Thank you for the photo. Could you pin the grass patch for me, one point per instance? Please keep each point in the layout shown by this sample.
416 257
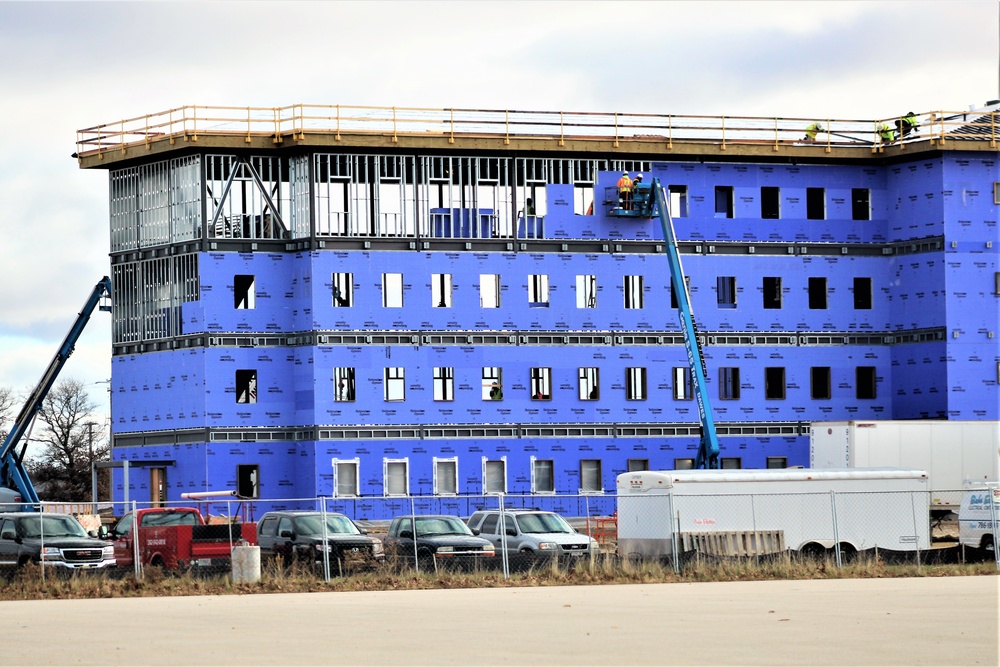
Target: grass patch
27 584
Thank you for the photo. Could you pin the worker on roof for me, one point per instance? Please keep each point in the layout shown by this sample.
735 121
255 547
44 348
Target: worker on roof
906 124
886 133
625 191
812 131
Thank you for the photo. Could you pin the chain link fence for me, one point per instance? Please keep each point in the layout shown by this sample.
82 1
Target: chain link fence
507 534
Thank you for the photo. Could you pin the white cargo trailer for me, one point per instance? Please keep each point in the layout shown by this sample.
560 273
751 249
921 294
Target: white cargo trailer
955 454
766 511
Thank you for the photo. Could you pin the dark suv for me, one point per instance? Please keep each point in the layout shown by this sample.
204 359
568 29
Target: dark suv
441 541
56 540
299 536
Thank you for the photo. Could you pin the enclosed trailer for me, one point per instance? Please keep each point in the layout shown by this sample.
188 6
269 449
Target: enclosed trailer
766 511
955 454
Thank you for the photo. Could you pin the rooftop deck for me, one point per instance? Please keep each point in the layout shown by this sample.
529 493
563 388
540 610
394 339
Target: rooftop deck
401 128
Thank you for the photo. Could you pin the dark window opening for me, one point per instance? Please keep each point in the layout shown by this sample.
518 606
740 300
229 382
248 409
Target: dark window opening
731 463
862 294
243 292
770 203
772 293
774 383
816 203
817 293
343 290
683 464
725 288
861 208
246 386
865 382
344 384
777 462
678 201
819 382
729 383
247 480
638 465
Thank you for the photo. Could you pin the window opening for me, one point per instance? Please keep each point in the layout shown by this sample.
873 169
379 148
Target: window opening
395 383
538 289
861 208
772 293
683 464
725 287
541 384
633 292
774 383
816 203
343 290
638 465
729 383
246 386
543 476
244 297
445 477
489 290
731 463
441 290
392 290
635 384
590 476
678 201
494 476
819 383
865 382
673 291
247 480
444 383
586 291
774 462
589 386
770 203
343 382
492 385
723 201
397 477
817 294
683 384
345 475
862 294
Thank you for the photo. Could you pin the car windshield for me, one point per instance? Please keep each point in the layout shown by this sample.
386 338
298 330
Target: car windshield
441 525
313 525
543 523
50 526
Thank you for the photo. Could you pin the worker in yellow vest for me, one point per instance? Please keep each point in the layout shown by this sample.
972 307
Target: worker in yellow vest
812 131
886 133
625 191
906 124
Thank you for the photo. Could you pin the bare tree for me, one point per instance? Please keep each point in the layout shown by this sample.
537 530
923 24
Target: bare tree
71 439
7 401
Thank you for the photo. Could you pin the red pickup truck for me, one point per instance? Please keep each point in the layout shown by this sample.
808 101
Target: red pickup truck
176 538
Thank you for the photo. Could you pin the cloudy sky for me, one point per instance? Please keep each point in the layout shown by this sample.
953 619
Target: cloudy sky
70 65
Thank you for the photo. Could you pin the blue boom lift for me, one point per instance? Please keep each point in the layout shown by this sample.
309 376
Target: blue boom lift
649 201
17 487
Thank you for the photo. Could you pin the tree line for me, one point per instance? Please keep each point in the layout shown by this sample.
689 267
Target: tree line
65 439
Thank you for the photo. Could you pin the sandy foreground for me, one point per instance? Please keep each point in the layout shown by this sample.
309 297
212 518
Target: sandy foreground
920 621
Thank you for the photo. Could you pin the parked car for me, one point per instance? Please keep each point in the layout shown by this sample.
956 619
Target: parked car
300 536
56 540
532 533
440 541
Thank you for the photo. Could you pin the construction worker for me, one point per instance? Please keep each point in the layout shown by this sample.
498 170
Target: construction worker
906 124
886 133
812 131
625 191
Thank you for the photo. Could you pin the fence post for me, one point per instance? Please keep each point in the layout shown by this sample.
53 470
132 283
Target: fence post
674 530
916 534
326 542
136 563
504 560
993 518
836 532
756 537
413 528
41 535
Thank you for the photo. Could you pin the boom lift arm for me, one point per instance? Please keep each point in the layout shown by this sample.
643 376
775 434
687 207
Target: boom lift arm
708 449
12 472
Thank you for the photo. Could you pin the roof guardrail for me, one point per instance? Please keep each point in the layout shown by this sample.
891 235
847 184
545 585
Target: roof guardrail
296 121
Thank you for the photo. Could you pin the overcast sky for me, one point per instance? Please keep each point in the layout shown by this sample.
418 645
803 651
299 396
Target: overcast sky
70 65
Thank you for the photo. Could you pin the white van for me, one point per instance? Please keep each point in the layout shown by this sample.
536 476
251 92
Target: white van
977 521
